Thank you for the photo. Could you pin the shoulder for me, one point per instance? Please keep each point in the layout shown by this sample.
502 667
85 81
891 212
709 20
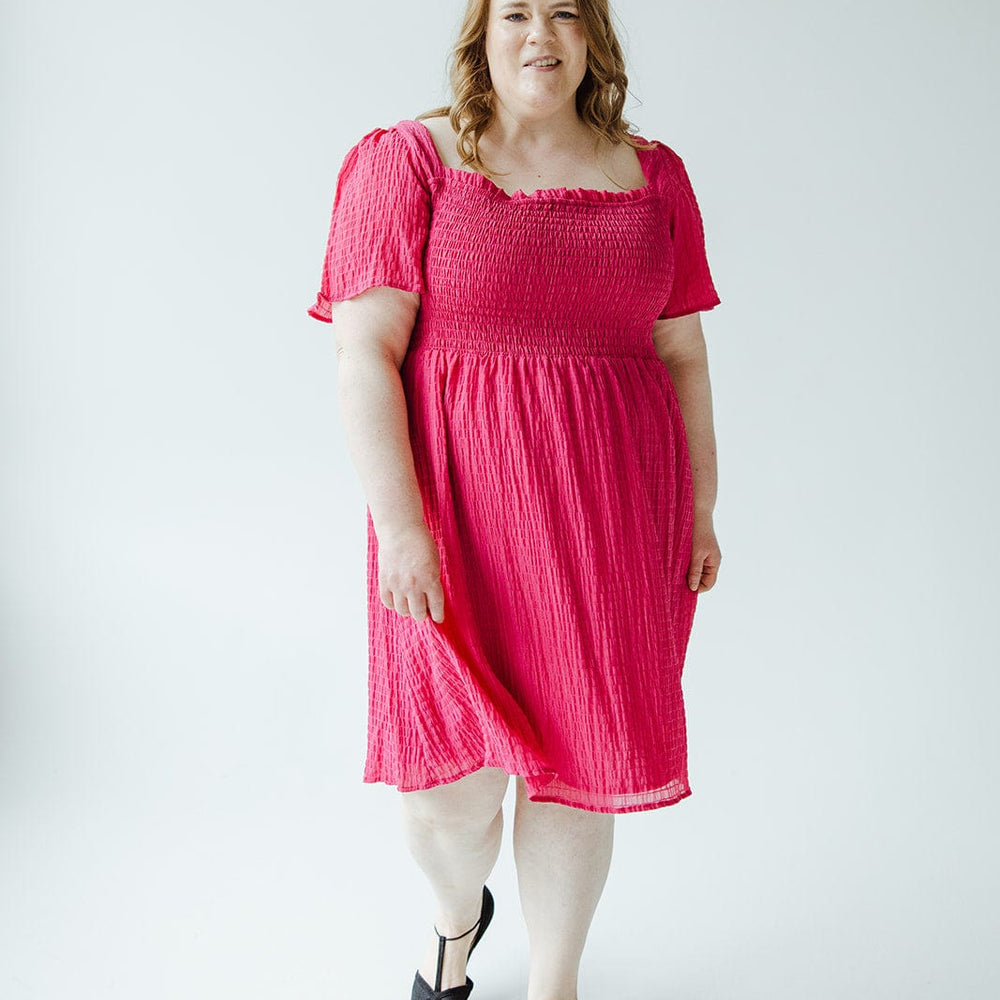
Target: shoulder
667 164
404 144
442 136
391 153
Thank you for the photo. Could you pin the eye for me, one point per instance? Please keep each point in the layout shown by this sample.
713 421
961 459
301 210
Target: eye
568 14
516 14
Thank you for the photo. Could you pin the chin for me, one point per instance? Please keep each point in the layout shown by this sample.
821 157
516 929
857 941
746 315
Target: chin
547 101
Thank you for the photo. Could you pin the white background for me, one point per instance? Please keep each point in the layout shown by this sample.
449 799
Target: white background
182 561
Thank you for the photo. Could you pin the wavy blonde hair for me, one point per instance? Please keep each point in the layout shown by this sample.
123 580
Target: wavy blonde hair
600 97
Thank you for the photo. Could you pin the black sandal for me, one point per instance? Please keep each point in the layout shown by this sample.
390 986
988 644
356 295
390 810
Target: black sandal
421 988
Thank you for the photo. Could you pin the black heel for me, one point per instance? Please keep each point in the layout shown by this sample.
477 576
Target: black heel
421 988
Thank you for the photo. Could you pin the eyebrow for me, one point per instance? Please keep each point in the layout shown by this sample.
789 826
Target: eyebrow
522 3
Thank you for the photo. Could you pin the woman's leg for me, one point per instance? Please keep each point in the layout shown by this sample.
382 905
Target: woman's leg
454 831
562 856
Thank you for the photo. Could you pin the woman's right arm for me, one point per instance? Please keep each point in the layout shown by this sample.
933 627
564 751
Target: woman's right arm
372 332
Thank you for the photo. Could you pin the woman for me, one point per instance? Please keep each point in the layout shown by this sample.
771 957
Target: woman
515 284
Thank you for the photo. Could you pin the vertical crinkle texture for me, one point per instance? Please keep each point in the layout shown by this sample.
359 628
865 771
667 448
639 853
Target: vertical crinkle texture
553 467
378 225
693 289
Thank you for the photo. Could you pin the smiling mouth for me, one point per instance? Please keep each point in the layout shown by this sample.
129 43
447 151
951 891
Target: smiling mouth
543 64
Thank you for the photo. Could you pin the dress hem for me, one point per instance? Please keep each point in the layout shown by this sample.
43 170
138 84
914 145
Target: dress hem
539 796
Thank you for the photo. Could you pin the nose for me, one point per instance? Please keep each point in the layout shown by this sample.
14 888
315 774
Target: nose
539 29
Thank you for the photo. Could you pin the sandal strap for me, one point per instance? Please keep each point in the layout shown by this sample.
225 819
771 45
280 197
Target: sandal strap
441 943
458 937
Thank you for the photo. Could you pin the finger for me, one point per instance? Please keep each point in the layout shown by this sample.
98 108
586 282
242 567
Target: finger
435 601
399 603
418 606
694 574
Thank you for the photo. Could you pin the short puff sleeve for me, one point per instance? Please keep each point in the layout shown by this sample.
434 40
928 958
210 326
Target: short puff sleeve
378 228
692 289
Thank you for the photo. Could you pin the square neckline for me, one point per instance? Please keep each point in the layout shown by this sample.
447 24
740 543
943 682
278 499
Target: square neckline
577 193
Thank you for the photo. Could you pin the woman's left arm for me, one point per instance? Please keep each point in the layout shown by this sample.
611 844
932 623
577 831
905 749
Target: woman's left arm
680 344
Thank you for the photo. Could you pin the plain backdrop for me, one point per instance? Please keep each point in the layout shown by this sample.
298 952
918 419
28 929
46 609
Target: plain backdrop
182 710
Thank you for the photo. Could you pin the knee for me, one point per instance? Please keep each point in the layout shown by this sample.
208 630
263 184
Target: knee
469 804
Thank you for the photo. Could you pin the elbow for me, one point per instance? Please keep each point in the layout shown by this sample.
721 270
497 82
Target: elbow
376 349
378 322
679 341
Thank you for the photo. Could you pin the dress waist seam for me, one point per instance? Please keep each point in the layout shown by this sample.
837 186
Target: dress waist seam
545 350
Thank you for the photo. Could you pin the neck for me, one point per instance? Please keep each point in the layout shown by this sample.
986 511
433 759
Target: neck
537 135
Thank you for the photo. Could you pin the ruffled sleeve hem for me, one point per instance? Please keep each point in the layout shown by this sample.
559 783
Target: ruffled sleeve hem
321 309
684 310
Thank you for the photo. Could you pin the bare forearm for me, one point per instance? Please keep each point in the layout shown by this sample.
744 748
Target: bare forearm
373 410
694 392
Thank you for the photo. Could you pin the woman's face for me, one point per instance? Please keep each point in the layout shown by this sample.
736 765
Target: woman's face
518 32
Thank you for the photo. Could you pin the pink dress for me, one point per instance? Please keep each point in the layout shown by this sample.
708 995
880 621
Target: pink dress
553 467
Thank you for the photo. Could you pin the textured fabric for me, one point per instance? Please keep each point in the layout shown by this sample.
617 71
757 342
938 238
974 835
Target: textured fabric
553 467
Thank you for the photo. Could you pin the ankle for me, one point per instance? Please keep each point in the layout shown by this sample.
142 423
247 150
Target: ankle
454 922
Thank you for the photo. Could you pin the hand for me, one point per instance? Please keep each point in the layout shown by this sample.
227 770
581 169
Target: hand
409 571
705 554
